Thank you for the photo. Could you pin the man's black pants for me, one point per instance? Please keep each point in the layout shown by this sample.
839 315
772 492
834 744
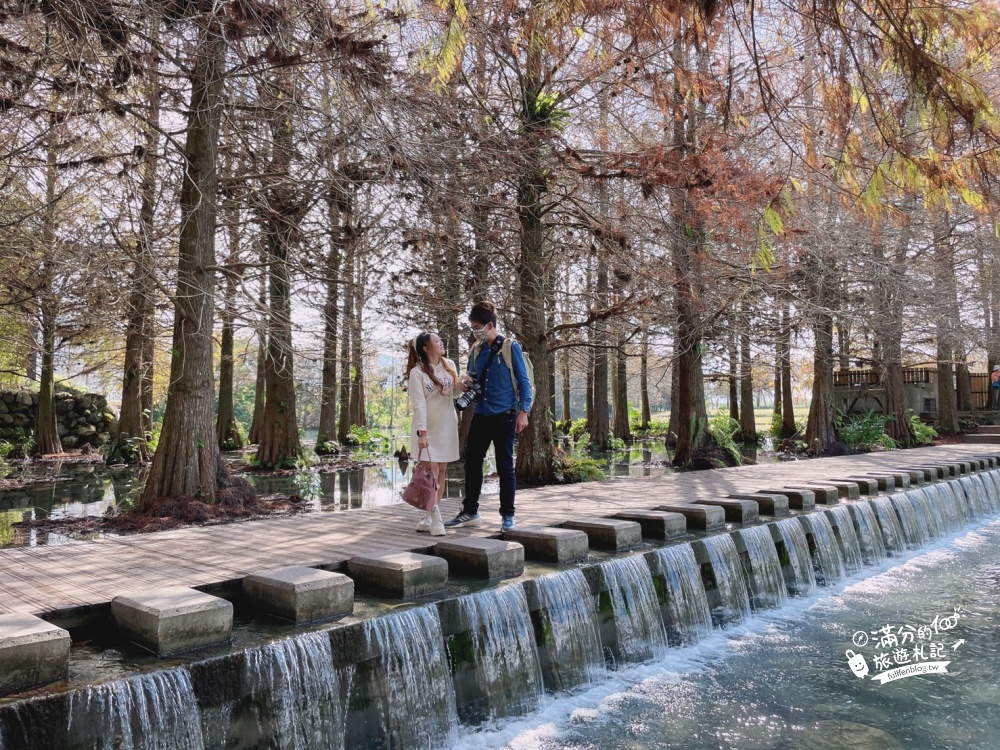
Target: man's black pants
499 430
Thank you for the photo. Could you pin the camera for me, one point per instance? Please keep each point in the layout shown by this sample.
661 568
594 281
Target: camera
471 394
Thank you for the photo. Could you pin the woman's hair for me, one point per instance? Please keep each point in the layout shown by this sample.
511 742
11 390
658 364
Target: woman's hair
417 357
484 312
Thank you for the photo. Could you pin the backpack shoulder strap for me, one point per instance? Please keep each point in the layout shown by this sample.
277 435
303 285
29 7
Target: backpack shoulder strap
506 351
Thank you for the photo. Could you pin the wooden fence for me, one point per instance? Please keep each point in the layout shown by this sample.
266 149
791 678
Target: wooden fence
863 378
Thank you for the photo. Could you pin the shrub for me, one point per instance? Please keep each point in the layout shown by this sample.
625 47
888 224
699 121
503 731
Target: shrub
657 429
724 429
571 470
577 428
864 432
923 433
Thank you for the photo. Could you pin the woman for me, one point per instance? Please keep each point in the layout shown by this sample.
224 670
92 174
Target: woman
433 384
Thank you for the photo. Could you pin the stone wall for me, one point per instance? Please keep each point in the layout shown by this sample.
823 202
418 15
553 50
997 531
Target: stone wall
82 419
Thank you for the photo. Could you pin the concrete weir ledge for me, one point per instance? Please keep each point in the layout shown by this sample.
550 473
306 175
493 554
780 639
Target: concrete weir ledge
290 567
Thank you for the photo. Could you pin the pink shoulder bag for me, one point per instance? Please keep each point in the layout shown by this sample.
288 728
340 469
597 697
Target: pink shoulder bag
421 492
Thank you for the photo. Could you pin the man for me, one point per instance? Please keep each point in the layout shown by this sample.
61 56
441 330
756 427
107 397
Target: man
995 388
501 412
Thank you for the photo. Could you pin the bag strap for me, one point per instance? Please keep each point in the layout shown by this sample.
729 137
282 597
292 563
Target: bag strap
421 450
494 350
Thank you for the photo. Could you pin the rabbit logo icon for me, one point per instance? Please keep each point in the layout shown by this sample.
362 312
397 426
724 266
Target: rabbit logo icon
857 663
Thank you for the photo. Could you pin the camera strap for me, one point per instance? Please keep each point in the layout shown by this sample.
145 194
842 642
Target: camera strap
494 350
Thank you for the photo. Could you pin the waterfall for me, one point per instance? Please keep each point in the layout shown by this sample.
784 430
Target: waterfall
987 492
941 497
503 649
412 691
976 504
888 521
155 710
570 651
961 502
687 614
870 537
639 630
847 537
914 532
992 489
798 569
828 564
295 693
936 524
729 595
767 584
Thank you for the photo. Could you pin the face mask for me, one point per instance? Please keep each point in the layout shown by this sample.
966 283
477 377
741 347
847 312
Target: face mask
479 335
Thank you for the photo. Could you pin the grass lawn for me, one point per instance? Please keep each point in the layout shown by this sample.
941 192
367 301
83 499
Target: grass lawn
762 417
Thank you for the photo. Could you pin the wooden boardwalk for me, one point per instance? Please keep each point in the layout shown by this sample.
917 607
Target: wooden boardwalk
54 580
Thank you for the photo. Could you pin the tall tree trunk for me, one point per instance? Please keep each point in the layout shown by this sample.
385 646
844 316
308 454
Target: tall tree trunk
600 428
128 443
748 420
622 429
567 415
257 421
46 430
843 345
331 311
820 432
187 456
347 330
226 427
279 445
945 292
359 416
535 453
776 404
788 427
889 287
647 415
733 376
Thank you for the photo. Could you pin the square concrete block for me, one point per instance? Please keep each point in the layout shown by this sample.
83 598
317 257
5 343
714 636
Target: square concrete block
826 494
798 499
847 490
917 476
885 482
174 619
767 505
33 652
701 517
736 509
866 485
300 594
608 533
991 461
930 473
551 544
402 574
477 557
656 524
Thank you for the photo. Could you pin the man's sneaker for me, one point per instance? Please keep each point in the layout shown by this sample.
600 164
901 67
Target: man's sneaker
508 524
463 519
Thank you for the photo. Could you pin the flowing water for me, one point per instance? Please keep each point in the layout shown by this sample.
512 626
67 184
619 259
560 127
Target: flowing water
847 538
726 584
888 521
634 609
571 652
828 565
914 527
508 673
870 538
796 562
687 616
767 584
781 681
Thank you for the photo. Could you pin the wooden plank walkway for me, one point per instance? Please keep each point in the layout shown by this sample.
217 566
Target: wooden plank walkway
48 580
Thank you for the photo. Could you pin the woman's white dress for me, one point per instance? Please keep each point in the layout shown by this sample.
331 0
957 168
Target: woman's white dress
435 412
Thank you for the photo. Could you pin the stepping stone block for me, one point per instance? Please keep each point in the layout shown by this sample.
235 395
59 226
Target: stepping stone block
479 557
174 619
847 490
767 505
300 594
735 509
991 461
930 473
608 533
884 482
656 524
826 494
866 485
33 652
798 499
701 517
401 574
551 544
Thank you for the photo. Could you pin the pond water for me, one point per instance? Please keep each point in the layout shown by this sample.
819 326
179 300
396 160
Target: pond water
93 490
782 680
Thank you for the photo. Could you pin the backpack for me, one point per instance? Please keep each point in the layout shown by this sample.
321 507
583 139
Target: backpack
508 359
